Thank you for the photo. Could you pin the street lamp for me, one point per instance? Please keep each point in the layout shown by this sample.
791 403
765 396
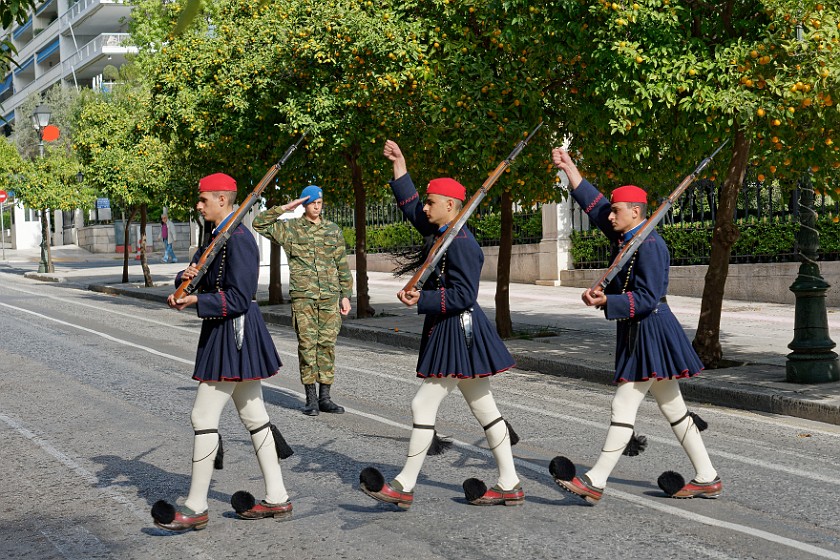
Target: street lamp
40 120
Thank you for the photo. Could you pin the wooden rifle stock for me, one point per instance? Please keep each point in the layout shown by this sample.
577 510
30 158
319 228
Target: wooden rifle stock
187 287
629 248
442 244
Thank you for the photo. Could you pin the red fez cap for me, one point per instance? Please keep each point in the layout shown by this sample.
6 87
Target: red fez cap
629 193
447 187
217 182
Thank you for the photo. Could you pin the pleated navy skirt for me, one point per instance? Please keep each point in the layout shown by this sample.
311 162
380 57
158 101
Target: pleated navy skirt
444 351
218 359
658 349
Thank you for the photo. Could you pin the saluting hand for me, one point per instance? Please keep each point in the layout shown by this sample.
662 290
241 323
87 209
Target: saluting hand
294 204
409 297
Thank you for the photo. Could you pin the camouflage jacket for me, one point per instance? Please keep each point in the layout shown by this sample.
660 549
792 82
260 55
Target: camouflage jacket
317 259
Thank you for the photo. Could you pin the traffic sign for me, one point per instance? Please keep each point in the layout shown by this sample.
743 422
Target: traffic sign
3 196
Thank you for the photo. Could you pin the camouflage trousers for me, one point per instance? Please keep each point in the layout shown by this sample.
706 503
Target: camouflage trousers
316 322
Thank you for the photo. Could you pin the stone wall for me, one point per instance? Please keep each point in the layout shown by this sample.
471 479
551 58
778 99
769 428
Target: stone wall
768 283
97 239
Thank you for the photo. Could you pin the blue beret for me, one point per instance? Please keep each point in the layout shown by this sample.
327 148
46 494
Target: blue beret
313 192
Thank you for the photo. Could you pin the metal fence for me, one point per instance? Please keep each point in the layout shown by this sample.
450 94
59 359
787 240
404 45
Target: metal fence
767 216
388 231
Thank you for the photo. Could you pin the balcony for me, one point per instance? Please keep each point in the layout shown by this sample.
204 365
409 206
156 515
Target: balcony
94 17
91 59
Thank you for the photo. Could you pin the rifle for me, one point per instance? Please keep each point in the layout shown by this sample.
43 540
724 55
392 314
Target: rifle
623 257
187 287
443 242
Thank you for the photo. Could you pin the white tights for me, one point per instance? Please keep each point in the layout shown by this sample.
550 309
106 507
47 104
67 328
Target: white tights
210 399
625 405
424 410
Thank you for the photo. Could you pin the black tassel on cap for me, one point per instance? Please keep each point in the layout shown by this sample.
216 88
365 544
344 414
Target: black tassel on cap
474 489
284 451
562 468
242 501
636 445
219 461
439 444
670 482
163 512
372 479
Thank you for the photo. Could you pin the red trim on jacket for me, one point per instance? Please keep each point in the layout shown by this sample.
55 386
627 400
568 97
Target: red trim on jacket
594 202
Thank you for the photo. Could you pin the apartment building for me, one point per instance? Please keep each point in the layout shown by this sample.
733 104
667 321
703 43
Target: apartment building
68 42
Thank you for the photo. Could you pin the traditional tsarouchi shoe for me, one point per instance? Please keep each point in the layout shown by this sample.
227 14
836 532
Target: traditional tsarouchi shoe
478 494
246 507
184 519
581 486
696 489
373 484
673 484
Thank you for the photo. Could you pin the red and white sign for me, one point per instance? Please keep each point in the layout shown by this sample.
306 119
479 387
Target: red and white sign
3 196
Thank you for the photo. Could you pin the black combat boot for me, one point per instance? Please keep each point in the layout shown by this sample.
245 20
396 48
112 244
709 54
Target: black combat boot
311 407
325 404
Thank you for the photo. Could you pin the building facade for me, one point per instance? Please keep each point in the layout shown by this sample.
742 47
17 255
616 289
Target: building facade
67 42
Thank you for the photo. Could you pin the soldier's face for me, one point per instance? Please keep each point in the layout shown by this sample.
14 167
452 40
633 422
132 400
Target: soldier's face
213 206
313 210
438 209
624 216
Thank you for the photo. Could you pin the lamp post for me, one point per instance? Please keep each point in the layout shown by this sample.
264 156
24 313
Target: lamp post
812 359
40 120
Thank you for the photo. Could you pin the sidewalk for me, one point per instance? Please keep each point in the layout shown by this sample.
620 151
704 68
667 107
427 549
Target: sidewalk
555 333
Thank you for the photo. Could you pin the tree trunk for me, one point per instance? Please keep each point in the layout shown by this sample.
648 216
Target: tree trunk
46 240
144 262
707 340
275 280
126 243
363 308
504 325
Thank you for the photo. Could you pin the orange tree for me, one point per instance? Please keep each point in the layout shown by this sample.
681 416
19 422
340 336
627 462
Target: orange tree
489 65
657 84
122 158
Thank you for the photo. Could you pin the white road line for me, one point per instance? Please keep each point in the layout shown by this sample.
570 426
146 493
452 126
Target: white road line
538 469
112 491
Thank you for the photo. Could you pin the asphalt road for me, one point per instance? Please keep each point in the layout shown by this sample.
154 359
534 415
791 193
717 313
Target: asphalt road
95 396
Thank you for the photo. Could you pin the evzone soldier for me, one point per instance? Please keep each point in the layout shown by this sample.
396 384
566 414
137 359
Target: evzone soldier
459 346
235 352
652 351
320 286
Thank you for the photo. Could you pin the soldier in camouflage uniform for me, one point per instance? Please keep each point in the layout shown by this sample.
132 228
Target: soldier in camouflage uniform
320 285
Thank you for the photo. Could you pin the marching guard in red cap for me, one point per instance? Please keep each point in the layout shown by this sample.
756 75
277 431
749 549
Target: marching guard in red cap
652 351
235 352
459 347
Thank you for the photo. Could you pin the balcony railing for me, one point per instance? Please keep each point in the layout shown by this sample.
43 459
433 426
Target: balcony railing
80 7
107 43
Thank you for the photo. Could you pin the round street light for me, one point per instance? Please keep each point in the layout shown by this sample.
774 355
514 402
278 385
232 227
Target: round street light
41 116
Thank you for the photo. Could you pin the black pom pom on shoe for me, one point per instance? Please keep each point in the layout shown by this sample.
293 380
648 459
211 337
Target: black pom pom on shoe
474 489
670 482
372 479
284 450
699 422
562 468
242 501
636 445
439 444
163 512
514 437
